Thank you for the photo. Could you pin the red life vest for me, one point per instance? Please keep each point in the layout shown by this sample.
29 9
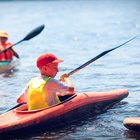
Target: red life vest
6 55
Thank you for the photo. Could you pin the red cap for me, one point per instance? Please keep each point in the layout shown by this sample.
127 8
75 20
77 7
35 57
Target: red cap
47 59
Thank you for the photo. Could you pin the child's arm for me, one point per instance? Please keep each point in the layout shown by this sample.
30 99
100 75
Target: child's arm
23 95
65 78
14 53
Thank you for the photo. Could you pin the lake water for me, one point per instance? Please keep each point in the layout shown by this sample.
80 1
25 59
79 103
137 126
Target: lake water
76 31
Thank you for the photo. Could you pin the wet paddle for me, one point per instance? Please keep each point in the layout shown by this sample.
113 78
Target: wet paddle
90 61
29 36
99 56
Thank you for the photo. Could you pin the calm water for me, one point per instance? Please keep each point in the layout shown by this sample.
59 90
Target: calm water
76 31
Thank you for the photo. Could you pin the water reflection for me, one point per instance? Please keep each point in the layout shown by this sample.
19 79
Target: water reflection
131 134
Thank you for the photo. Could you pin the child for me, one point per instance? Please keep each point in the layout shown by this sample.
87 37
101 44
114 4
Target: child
41 91
9 53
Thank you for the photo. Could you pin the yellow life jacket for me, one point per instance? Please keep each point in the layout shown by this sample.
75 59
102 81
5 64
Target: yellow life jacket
37 96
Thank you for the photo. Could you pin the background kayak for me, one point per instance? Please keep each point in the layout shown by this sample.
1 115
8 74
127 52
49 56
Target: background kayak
8 67
132 123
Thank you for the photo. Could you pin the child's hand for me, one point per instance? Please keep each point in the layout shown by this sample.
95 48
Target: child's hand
63 76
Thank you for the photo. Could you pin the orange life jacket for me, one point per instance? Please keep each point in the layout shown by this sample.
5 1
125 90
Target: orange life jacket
6 55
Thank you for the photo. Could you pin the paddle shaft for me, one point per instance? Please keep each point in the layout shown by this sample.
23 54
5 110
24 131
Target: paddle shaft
99 56
29 36
15 106
88 62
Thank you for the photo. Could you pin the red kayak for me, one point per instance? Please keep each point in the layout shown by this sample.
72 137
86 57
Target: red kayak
71 107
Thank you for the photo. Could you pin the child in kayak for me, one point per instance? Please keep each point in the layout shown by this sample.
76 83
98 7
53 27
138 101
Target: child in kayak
41 91
9 53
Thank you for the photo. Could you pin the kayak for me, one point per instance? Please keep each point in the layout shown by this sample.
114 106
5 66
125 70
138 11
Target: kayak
72 107
132 123
7 66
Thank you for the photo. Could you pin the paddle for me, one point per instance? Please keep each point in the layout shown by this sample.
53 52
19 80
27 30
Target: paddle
99 56
15 106
90 61
29 36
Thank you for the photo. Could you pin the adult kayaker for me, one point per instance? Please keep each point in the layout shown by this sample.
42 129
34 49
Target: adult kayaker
41 91
9 53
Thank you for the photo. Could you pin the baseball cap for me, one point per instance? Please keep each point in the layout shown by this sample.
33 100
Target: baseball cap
47 58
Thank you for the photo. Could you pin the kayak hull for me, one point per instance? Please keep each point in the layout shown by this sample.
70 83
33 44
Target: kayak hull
132 123
78 106
8 66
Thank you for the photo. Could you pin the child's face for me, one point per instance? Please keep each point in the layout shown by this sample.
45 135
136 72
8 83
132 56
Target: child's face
52 69
3 39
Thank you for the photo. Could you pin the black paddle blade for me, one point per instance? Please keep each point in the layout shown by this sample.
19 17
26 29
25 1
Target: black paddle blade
34 33
29 36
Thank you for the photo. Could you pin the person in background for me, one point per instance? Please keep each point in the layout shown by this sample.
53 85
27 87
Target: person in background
41 91
9 53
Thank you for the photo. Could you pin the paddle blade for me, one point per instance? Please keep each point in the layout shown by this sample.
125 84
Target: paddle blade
34 33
